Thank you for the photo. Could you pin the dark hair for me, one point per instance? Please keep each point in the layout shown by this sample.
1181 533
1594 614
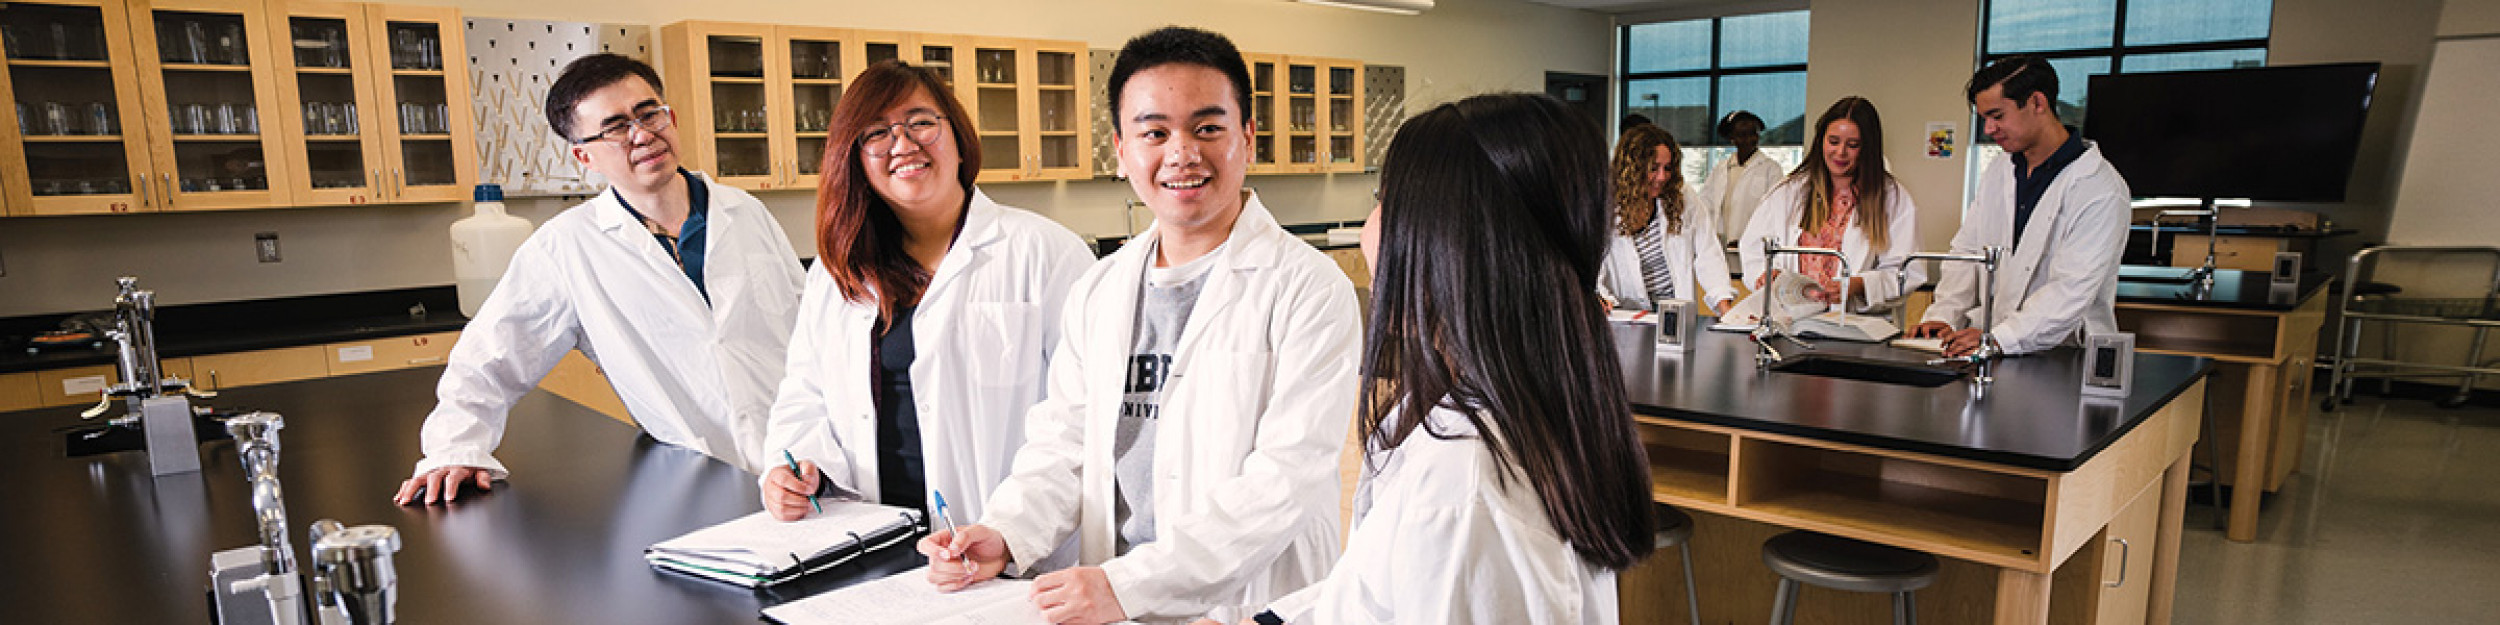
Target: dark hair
1633 120
1180 44
1494 222
1869 179
2022 75
1632 202
587 74
859 241
1727 125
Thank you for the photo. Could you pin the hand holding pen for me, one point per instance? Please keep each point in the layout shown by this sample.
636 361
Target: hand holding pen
961 556
788 495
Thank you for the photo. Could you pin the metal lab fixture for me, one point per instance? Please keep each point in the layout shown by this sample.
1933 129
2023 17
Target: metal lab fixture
354 580
1762 332
1985 357
158 405
2203 276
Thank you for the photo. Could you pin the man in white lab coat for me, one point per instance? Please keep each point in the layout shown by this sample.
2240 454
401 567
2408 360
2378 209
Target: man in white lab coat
1201 392
682 290
2058 210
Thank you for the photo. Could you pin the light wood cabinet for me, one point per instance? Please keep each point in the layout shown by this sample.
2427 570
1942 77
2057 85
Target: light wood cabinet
83 386
757 98
399 352
1309 112
165 105
268 366
2126 567
17 392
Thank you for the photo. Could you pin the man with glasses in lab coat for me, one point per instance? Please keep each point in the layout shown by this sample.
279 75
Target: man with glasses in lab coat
681 289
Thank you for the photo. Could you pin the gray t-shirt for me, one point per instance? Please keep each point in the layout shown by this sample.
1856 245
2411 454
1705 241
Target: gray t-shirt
1163 307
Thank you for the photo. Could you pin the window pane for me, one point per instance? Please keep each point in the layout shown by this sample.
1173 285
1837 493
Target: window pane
2179 61
1779 99
2073 75
2155 22
1680 105
1668 46
1764 39
2037 25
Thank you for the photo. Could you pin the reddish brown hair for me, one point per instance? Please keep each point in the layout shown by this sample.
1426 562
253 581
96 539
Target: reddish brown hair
859 241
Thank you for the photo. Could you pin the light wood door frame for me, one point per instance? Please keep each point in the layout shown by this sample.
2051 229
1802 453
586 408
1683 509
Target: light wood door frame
786 94
460 113
1327 117
121 61
1025 96
687 52
290 116
1266 119
1081 105
162 140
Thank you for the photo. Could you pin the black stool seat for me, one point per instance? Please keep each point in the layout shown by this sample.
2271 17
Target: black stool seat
1843 564
1674 526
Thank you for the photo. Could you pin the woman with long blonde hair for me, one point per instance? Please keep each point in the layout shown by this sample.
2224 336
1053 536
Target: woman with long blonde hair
1840 198
1665 246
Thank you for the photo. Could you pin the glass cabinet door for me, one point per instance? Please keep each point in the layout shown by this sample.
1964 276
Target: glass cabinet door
1064 121
428 136
997 106
1344 125
331 158
1263 111
815 74
207 72
741 123
79 144
1302 147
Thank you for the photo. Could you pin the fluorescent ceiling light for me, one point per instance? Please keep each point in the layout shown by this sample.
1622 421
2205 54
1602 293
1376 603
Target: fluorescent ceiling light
1400 7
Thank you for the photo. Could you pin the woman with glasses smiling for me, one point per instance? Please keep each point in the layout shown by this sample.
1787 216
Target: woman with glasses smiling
927 320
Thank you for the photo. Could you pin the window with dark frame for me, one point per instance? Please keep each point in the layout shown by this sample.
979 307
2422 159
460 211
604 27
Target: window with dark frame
1684 75
2083 38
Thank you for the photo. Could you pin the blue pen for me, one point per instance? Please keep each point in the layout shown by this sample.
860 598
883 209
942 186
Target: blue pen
794 472
964 559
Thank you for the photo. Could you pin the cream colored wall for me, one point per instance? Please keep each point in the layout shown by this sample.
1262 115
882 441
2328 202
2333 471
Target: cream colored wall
1860 49
2462 18
1459 48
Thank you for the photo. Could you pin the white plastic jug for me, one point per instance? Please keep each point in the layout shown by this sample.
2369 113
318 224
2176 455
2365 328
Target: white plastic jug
482 246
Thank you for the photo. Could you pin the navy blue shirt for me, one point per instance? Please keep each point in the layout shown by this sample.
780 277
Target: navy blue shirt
687 247
902 478
2030 185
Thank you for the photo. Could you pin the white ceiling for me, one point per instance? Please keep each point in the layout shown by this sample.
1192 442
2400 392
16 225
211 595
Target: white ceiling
1624 6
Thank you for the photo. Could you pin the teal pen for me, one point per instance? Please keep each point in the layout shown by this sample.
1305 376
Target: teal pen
963 558
794 471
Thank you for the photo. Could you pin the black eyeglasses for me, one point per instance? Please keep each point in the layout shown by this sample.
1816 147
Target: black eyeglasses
650 120
921 128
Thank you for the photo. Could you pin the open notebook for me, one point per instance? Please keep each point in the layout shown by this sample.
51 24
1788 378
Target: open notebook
907 598
755 550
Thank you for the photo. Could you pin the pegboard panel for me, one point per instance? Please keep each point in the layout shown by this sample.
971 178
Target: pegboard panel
514 62
1106 160
1384 109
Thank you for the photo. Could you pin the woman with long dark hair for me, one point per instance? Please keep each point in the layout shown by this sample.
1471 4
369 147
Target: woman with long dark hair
926 322
1665 246
1841 198
1505 482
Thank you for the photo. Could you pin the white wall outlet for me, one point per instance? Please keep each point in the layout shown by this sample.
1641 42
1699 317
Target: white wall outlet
266 244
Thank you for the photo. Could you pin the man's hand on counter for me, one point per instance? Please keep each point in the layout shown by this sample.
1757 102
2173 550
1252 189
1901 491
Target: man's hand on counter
442 485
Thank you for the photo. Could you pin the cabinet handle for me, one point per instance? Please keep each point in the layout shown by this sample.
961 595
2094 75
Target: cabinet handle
377 183
145 198
399 184
213 384
165 187
2124 553
437 359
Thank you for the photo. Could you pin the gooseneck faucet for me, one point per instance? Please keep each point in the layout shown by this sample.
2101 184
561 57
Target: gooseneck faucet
2203 276
1771 250
354 581
1987 258
256 444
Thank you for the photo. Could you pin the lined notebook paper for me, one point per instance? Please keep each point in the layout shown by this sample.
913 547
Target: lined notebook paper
907 598
756 550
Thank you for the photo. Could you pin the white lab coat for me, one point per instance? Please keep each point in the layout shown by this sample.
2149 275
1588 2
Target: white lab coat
982 336
1778 216
1439 537
693 375
1245 454
1700 261
2062 280
1732 195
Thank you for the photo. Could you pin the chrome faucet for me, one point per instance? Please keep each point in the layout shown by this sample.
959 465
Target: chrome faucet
134 339
1987 258
2203 276
354 581
1769 327
1771 249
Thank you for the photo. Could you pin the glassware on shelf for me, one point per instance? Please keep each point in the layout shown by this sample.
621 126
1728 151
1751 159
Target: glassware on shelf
195 42
229 120
55 119
442 117
230 46
99 119
60 41
25 120
334 47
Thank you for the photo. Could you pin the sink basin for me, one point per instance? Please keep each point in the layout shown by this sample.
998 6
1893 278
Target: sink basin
1868 370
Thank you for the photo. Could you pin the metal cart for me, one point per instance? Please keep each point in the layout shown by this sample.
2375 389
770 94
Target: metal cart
2376 302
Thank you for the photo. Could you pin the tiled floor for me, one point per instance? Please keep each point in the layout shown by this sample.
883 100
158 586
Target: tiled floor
2394 517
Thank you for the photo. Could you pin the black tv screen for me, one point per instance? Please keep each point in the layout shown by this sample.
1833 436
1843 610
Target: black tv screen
2273 133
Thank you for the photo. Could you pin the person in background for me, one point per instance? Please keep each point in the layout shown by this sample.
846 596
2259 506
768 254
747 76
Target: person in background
1664 245
2056 207
1736 184
680 289
1504 482
1200 395
1840 198
923 333
1634 120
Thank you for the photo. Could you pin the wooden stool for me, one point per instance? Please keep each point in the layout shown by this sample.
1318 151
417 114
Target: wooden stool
1843 564
1675 529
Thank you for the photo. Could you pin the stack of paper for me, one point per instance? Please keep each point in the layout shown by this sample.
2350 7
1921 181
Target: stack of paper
756 550
907 598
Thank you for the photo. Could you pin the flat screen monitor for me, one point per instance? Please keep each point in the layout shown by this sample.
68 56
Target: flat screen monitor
2272 133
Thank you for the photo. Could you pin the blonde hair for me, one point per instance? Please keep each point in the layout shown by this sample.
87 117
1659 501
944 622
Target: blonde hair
1868 177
